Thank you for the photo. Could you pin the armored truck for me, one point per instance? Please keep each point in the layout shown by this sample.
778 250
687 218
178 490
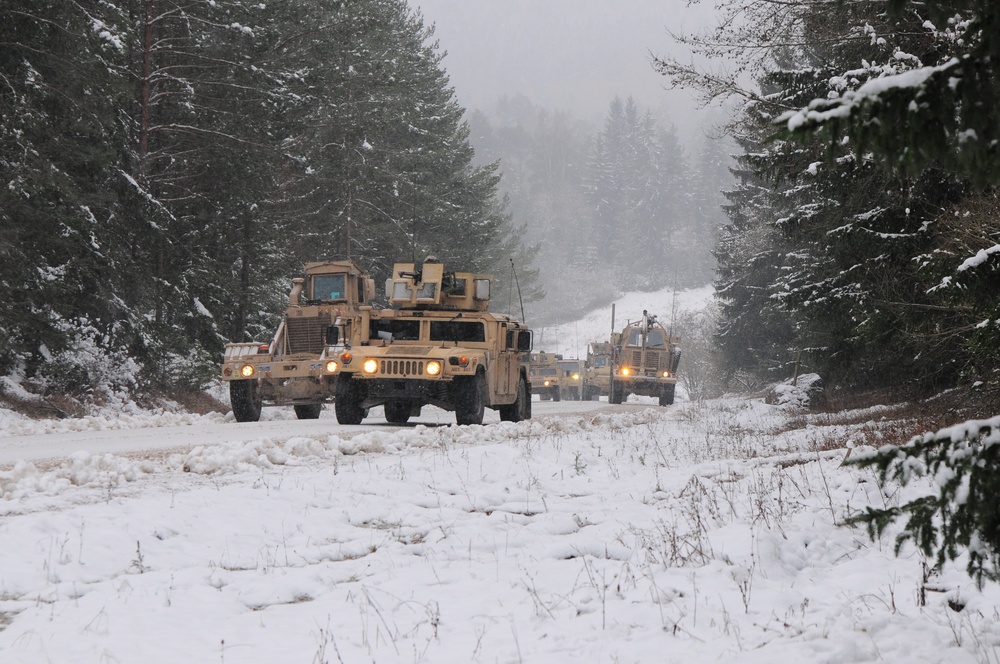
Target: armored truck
645 361
597 381
438 344
298 367
546 376
573 378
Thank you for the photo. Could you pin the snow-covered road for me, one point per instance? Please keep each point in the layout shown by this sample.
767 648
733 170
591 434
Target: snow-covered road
51 440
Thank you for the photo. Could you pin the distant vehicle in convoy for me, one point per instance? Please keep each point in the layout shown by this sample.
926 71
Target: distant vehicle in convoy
546 376
645 361
440 345
298 367
597 382
573 379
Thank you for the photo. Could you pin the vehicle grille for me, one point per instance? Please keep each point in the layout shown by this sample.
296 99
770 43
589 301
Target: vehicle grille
307 335
652 360
402 368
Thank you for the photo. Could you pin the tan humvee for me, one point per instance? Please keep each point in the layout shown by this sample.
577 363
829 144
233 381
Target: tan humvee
546 376
298 367
573 378
597 382
645 361
438 345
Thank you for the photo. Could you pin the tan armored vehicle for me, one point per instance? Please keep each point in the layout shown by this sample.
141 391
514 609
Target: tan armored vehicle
299 366
546 376
438 345
645 361
598 370
573 378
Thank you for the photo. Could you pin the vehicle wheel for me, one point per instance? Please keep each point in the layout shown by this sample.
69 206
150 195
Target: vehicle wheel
521 408
577 396
309 411
347 404
544 397
667 394
617 393
397 412
244 396
470 399
557 395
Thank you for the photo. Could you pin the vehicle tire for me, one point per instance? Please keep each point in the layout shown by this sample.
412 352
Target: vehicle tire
521 408
667 394
397 412
347 404
557 395
617 394
308 411
244 397
545 397
470 399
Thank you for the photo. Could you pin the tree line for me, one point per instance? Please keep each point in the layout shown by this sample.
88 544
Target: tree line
862 234
167 165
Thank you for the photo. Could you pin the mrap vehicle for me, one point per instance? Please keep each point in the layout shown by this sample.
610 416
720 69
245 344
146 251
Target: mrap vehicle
645 361
440 345
298 366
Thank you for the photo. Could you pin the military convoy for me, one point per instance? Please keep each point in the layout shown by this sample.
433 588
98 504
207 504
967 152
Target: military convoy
439 344
299 365
645 360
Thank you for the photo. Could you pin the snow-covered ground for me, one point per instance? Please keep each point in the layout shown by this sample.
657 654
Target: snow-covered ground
593 533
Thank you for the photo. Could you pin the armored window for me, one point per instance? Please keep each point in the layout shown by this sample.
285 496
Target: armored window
329 287
654 339
395 330
460 331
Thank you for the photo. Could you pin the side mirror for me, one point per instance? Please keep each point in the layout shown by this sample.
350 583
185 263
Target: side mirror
332 335
524 341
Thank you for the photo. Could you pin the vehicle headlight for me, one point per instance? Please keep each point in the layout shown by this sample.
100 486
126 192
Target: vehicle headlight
331 367
433 368
370 365
576 376
246 370
666 374
626 371
546 383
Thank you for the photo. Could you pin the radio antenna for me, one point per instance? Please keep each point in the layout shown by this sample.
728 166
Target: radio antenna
519 299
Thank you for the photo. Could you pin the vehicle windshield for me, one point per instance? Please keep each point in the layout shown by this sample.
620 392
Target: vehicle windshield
654 339
329 287
569 366
600 361
390 329
458 331
546 371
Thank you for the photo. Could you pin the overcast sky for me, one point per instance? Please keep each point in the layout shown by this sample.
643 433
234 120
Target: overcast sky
571 55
